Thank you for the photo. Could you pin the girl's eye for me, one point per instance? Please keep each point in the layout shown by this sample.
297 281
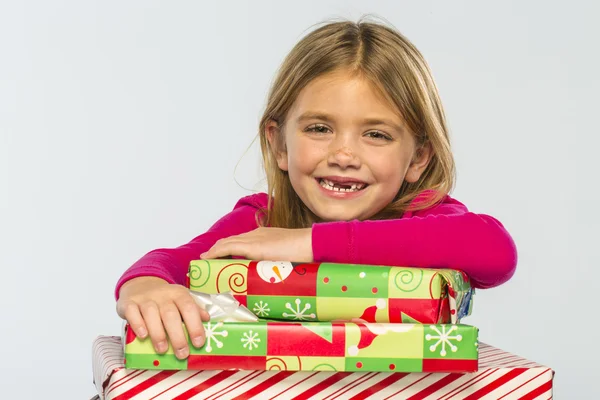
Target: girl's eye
317 128
378 135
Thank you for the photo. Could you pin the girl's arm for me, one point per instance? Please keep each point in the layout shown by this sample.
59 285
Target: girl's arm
172 264
445 236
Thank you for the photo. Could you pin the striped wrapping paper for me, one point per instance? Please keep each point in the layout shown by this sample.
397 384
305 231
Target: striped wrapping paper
501 375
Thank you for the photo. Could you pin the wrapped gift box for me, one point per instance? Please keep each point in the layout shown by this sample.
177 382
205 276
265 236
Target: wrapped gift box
327 292
317 346
500 375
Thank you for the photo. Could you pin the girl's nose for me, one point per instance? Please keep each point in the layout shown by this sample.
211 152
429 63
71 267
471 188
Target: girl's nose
343 157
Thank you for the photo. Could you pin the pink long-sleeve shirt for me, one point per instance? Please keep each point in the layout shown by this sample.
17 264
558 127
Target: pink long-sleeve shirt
446 235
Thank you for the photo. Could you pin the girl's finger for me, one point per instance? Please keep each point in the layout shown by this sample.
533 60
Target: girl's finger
135 320
204 315
155 326
172 321
190 311
210 252
220 249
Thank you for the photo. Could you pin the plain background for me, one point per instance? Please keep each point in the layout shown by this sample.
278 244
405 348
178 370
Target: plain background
121 124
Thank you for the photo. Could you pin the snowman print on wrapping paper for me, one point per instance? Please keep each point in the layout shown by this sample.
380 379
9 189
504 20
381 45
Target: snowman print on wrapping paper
274 271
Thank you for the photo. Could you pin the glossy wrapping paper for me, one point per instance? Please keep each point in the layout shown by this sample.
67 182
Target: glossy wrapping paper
282 290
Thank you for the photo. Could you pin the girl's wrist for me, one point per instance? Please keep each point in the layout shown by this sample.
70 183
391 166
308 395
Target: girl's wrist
308 232
140 281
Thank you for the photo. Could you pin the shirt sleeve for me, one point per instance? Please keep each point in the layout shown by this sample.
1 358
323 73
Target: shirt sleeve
445 236
171 264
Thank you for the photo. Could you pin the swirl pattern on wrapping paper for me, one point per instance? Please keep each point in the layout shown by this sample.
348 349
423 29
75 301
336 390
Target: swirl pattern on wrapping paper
408 281
232 278
296 268
278 364
197 272
431 286
324 367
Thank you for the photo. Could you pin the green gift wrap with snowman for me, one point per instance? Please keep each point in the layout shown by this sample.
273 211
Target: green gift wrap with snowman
282 290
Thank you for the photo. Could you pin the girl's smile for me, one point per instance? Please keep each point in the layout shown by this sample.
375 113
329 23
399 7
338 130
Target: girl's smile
340 187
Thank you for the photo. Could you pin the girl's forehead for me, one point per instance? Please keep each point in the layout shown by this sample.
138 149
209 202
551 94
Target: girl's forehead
342 93
334 81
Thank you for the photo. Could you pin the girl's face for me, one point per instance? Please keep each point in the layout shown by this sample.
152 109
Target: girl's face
346 151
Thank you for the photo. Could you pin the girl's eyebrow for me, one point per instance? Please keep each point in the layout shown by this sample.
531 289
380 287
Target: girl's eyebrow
311 115
314 115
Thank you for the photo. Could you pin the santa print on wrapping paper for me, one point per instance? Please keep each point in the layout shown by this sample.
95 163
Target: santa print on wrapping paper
369 331
282 278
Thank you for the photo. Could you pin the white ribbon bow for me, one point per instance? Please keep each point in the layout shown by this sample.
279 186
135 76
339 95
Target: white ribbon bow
223 307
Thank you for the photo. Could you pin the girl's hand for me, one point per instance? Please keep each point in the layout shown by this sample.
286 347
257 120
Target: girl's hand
151 305
266 244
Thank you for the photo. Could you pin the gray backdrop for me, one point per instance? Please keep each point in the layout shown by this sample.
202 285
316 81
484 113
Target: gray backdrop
121 124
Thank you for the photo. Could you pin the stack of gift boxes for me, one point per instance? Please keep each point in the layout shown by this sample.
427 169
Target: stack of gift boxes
283 330
323 317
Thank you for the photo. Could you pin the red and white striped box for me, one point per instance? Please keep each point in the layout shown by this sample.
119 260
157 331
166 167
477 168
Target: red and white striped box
501 375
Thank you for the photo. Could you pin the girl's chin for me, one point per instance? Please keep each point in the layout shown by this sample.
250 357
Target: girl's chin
332 214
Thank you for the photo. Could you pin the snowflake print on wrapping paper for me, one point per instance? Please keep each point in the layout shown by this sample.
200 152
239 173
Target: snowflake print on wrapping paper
261 309
250 339
297 314
211 334
444 338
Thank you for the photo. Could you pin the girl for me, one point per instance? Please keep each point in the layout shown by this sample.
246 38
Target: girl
358 163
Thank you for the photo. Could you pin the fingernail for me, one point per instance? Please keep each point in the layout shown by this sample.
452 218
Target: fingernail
181 353
142 332
162 346
198 341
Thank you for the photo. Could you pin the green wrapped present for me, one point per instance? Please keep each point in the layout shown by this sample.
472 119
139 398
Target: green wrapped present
318 346
328 292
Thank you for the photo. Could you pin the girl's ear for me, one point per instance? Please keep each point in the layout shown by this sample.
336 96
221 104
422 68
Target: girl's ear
419 163
277 142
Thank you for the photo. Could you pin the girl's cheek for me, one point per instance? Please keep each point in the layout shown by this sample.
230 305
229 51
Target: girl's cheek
310 149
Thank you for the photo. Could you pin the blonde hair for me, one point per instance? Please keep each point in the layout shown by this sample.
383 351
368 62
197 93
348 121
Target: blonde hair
398 71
